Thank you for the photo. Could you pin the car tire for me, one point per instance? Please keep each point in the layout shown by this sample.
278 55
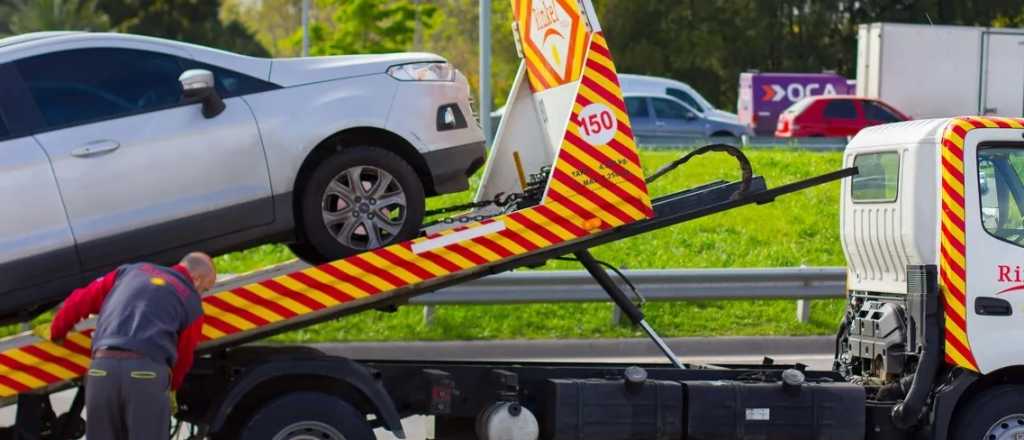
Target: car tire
307 415
997 413
359 199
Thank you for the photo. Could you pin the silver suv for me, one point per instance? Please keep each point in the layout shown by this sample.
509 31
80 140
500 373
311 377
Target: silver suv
119 147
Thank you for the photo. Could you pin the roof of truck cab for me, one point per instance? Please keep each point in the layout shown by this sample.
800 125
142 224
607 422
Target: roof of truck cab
899 133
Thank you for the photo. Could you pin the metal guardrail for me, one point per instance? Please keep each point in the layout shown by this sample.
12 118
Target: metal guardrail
801 283
755 142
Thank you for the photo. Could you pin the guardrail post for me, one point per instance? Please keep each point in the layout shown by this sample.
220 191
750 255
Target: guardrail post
616 315
803 305
803 310
428 315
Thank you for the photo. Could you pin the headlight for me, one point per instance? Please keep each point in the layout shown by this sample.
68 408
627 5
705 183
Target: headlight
423 72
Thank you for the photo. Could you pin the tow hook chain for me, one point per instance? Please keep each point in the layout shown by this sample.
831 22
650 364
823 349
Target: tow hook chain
530 196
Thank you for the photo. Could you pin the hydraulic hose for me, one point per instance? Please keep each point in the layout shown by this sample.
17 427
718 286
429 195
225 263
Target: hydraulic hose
909 412
745 169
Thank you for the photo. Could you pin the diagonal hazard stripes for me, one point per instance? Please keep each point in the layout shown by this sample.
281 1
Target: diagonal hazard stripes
598 172
952 238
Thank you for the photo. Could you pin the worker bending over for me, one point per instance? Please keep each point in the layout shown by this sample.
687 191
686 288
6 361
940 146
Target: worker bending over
150 320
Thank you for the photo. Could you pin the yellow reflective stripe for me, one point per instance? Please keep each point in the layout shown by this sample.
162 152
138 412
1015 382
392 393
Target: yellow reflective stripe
33 361
283 301
343 286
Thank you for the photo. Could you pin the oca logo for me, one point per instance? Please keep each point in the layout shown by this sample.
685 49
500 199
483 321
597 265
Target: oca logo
795 91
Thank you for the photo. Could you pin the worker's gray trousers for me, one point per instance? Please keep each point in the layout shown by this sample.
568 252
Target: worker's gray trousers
126 399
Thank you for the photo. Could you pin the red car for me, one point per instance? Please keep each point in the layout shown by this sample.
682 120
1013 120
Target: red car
834 116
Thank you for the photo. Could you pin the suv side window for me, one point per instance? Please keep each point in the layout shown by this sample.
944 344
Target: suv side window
637 108
685 97
86 85
877 112
230 83
840 109
1002 193
665 109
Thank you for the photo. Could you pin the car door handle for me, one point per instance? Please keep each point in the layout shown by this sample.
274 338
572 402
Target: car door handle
95 148
659 124
989 306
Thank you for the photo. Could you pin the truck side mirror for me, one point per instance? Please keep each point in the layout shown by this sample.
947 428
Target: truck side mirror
198 85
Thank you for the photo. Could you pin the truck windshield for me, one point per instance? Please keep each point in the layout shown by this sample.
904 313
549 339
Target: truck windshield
1002 193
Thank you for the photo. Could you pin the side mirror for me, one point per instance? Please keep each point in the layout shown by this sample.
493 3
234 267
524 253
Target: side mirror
690 116
197 85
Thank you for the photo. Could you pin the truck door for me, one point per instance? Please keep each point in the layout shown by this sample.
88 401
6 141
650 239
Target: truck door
994 227
1003 75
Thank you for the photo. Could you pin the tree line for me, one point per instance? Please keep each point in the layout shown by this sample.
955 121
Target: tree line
706 43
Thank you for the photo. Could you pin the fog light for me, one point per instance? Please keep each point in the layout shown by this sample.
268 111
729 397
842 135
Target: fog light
449 117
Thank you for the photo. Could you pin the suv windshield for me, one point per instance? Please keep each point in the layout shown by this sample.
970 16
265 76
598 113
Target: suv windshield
1002 193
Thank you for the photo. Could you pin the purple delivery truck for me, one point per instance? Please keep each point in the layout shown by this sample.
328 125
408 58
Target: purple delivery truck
763 96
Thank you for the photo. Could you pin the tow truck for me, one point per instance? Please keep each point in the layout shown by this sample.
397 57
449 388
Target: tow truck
932 224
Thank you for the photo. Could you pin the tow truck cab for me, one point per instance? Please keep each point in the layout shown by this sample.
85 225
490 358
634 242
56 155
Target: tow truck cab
933 237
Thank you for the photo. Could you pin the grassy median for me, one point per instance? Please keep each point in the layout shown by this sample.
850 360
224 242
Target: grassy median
799 229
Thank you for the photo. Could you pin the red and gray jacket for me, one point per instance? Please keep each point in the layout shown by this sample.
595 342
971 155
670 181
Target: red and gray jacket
152 310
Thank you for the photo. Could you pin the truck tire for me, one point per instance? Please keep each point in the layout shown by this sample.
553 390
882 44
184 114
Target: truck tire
359 199
307 415
996 414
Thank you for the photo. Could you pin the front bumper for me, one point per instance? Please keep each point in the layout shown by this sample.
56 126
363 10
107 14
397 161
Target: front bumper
450 168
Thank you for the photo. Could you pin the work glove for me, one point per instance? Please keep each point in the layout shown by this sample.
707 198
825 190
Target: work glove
172 396
42 331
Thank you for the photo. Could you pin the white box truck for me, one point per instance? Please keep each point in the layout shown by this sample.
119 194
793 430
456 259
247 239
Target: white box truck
931 71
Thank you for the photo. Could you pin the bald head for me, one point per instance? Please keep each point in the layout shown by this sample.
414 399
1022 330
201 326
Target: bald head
201 267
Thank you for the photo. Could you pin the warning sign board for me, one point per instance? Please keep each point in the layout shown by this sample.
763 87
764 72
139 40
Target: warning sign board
553 39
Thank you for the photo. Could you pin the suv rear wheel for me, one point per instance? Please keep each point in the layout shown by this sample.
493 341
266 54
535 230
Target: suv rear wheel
359 199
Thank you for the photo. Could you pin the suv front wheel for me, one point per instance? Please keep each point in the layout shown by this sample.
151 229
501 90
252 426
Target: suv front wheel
359 199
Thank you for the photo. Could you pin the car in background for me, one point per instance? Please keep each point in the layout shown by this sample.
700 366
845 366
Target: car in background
122 148
653 85
663 120
834 116
680 91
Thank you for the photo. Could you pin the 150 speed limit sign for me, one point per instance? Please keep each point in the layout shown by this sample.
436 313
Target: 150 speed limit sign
597 124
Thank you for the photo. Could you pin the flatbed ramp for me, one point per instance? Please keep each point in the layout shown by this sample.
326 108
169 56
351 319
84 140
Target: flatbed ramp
260 304
595 193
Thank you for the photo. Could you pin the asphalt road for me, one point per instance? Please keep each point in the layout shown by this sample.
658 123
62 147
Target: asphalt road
814 352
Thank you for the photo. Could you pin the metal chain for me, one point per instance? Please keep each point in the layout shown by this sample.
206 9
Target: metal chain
530 196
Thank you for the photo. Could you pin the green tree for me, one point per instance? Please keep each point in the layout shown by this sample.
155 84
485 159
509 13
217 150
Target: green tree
184 20
43 15
273 22
454 33
366 26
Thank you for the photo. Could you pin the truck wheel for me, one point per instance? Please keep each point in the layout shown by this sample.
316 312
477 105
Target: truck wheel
996 414
307 415
360 199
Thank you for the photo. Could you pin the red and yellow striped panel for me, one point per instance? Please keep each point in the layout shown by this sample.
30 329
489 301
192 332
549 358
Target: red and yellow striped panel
593 188
953 243
553 37
597 168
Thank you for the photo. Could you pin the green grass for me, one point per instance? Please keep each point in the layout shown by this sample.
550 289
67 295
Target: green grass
799 229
